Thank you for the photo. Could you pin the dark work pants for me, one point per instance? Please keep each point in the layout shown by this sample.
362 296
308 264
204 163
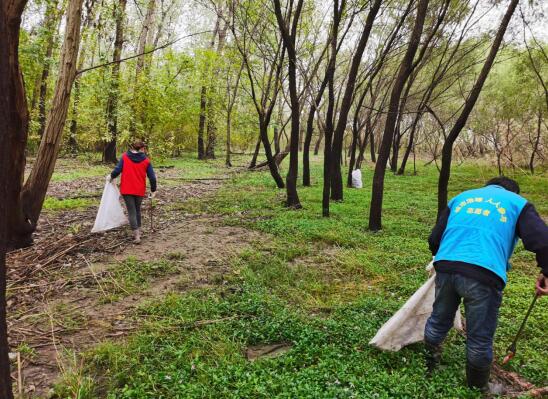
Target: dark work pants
481 304
133 205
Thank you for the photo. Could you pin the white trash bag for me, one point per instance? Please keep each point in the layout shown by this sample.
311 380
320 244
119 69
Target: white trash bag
406 326
110 214
357 178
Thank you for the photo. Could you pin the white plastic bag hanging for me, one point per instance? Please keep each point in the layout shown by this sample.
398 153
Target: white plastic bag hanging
357 178
110 214
406 326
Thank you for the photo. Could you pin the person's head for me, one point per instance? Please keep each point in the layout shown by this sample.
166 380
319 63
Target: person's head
504 182
138 145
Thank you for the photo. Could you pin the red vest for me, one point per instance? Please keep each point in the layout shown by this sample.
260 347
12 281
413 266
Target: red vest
134 177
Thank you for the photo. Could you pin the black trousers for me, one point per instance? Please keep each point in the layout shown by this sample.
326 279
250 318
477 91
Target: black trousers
133 205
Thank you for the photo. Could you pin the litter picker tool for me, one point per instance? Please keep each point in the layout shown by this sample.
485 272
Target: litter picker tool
151 212
511 351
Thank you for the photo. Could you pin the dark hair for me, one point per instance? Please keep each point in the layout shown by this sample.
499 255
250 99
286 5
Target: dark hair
504 182
138 144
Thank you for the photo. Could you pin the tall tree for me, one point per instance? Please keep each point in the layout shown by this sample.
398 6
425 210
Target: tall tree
405 69
337 184
14 121
34 191
447 150
51 22
109 152
288 27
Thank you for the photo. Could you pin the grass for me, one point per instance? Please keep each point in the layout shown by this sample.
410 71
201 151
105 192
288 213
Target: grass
132 275
324 285
55 204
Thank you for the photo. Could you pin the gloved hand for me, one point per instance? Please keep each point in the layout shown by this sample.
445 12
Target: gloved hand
109 178
152 194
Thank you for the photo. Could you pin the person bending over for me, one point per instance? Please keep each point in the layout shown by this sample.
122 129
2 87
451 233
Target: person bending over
472 242
135 167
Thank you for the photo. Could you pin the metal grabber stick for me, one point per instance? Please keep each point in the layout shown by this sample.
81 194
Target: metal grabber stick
151 213
511 351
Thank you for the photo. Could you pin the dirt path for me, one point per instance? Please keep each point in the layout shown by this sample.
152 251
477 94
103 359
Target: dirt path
72 289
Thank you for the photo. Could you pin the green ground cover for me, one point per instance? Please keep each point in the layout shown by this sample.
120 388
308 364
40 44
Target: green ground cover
323 285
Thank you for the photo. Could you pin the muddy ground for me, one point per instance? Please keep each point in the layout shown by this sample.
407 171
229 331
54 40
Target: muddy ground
68 291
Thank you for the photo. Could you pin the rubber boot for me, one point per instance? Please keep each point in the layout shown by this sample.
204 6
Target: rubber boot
432 356
478 377
137 236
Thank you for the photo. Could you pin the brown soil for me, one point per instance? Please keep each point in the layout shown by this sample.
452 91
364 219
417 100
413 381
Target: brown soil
57 301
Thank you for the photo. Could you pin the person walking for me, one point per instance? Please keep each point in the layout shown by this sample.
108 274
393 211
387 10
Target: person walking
472 243
135 167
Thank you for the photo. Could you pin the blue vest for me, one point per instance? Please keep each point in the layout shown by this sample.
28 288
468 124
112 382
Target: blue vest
481 229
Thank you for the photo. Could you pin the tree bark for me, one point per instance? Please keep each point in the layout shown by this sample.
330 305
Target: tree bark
337 185
289 36
253 162
14 121
52 19
447 150
203 101
535 144
34 191
109 152
211 106
145 38
406 68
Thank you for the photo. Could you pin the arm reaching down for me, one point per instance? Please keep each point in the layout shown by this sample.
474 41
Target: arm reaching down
434 240
151 178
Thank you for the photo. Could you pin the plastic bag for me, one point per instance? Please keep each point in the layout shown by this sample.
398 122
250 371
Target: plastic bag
406 326
357 178
110 214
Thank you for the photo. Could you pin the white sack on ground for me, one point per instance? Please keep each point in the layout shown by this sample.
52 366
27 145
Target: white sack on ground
357 178
407 325
110 214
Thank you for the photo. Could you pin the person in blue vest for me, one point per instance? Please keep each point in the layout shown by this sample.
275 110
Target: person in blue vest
472 243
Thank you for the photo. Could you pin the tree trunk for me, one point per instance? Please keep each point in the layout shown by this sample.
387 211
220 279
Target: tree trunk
145 38
289 36
535 145
309 132
337 185
375 213
447 150
14 121
34 191
51 21
268 152
321 133
109 153
211 106
253 162
410 145
203 101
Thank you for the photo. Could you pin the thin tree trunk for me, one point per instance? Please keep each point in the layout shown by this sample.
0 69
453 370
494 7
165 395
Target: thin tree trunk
52 18
144 40
535 145
410 145
203 100
253 162
447 150
34 191
338 136
272 166
321 134
109 153
375 213
211 106
289 36
14 121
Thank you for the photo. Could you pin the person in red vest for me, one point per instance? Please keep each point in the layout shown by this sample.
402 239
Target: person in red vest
135 167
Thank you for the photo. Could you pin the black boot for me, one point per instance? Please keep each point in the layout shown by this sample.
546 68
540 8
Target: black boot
478 377
432 355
